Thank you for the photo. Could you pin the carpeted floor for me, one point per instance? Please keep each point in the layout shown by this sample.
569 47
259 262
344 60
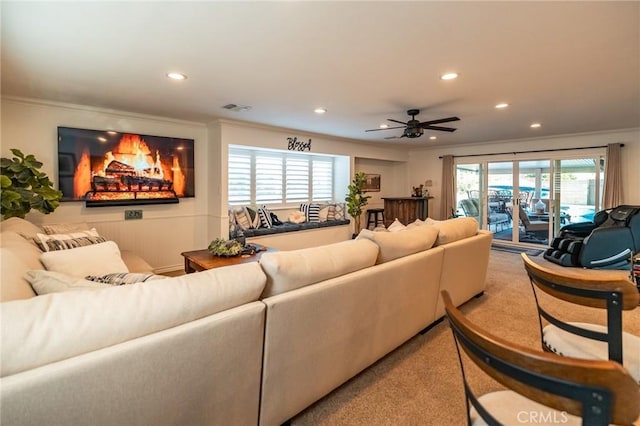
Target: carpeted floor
419 383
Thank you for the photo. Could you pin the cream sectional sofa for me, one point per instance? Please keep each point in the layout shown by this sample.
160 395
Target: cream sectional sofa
176 351
287 332
325 327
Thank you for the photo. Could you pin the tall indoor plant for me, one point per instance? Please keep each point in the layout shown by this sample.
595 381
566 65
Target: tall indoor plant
356 199
25 187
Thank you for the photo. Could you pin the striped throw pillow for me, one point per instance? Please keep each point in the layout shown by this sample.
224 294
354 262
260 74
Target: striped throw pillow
311 212
254 217
331 212
265 217
72 240
122 278
65 228
243 219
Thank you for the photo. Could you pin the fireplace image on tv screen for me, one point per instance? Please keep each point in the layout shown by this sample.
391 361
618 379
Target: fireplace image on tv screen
106 168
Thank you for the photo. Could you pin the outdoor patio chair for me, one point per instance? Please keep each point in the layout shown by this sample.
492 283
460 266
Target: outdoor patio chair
542 387
607 291
471 208
537 229
525 199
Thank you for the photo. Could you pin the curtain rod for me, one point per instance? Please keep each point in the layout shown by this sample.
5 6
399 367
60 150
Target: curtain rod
533 151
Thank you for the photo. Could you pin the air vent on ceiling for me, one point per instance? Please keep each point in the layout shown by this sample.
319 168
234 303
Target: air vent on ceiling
237 108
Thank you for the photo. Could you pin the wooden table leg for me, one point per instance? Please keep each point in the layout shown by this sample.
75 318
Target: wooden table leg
188 269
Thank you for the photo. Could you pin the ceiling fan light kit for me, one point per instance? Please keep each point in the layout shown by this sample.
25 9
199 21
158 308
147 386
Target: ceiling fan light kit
414 128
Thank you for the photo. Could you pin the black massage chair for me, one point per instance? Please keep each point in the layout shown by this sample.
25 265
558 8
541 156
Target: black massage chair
606 243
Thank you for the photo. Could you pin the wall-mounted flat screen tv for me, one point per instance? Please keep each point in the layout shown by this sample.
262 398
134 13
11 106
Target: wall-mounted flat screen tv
107 168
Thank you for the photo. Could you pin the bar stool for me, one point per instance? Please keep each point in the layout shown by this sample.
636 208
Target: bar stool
375 216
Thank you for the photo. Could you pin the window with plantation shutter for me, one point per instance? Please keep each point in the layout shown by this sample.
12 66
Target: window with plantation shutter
322 179
268 182
297 182
278 178
240 178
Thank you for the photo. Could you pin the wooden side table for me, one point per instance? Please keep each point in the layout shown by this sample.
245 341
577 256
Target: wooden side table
202 260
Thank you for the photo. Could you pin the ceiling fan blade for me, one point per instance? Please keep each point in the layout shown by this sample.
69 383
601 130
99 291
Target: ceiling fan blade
393 137
441 120
396 121
386 128
442 129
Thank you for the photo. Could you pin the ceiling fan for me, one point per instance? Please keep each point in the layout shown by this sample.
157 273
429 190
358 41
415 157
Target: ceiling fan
414 128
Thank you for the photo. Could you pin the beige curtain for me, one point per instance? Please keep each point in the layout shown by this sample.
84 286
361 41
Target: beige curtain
448 191
612 196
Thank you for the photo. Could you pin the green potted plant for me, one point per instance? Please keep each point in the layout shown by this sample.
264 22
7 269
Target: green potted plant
25 187
356 199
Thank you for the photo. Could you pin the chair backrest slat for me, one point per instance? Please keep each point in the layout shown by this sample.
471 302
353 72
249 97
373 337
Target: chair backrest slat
603 290
582 287
600 392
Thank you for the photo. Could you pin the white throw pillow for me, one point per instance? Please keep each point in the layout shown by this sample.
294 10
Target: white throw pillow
396 226
45 282
97 259
297 217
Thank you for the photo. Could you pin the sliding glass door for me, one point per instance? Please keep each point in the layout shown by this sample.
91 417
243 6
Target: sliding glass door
469 193
499 196
528 201
534 202
578 188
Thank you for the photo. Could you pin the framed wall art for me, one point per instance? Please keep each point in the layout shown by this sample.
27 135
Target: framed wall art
372 183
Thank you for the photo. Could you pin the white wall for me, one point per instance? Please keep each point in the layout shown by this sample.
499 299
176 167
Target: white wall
425 164
166 230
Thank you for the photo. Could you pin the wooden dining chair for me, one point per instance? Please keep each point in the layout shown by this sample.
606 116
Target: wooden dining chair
606 290
541 387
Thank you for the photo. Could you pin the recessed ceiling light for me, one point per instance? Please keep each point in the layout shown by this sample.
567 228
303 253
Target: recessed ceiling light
101 139
176 76
449 76
433 138
502 105
384 126
320 110
535 125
